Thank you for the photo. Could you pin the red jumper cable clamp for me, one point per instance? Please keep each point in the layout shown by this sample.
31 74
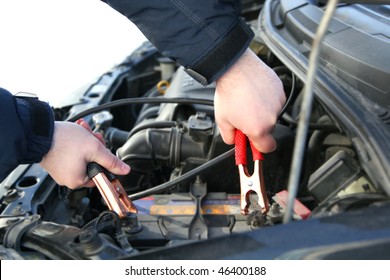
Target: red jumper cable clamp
250 183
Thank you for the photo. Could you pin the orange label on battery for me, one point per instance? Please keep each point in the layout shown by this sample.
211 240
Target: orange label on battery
169 210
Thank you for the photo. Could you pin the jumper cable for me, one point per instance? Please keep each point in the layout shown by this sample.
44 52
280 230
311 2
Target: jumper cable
111 190
250 183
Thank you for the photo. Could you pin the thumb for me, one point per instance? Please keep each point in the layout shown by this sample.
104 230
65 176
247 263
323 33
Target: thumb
112 163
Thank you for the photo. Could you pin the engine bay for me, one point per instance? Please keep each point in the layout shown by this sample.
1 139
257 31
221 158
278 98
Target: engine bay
183 181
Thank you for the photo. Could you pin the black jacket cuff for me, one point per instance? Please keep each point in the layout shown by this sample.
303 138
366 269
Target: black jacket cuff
225 54
38 122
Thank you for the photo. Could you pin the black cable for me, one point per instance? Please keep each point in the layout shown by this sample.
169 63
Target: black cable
128 101
315 126
279 71
13 216
106 217
184 177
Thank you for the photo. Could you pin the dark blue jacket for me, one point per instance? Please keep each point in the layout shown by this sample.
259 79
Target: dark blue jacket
205 36
27 127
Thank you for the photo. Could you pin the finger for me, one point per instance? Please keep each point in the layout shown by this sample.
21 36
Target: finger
112 163
227 133
264 143
84 124
79 121
90 184
100 137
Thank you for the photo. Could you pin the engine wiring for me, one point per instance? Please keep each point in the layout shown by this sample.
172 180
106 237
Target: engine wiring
166 186
139 100
160 100
314 126
307 101
184 177
279 70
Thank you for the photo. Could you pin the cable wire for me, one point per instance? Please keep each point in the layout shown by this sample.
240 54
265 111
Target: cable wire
279 71
140 100
307 101
314 126
186 176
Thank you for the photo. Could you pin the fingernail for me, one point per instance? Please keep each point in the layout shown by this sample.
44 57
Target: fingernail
125 167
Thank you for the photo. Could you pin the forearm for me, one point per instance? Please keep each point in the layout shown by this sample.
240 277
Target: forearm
204 36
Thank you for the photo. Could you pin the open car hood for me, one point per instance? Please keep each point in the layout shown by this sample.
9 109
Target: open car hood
355 48
354 69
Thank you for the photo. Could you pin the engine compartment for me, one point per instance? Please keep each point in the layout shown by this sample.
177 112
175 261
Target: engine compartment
184 181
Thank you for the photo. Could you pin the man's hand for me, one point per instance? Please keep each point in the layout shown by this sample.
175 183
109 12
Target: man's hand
72 149
249 97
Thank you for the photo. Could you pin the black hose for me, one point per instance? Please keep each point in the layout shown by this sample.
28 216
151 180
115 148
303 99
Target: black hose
154 124
140 100
151 112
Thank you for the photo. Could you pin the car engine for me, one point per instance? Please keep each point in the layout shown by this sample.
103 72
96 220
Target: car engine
183 182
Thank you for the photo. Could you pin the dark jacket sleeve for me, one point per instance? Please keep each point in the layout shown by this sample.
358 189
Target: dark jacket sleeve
204 36
27 127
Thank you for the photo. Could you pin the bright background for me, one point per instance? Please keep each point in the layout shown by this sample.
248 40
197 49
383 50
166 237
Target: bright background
54 47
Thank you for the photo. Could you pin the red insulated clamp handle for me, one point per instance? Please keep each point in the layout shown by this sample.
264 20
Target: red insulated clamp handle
240 143
240 153
256 154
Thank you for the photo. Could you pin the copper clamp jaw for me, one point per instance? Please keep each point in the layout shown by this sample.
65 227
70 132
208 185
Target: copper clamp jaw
250 183
253 184
111 190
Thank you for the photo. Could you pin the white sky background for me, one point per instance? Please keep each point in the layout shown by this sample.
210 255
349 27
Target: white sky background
54 47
